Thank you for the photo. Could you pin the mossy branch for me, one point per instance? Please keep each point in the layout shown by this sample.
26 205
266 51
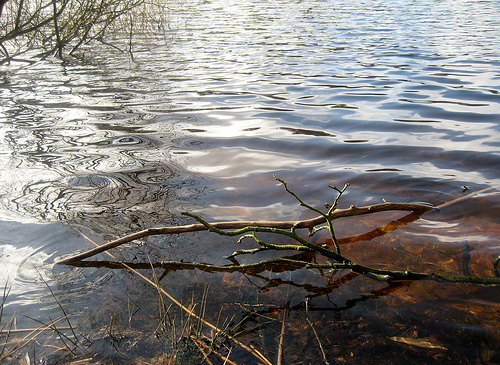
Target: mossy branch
326 215
289 230
289 233
309 224
341 261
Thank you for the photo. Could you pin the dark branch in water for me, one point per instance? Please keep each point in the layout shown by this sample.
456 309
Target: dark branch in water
286 264
288 229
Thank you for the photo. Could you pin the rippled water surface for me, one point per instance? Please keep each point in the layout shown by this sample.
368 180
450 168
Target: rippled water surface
398 98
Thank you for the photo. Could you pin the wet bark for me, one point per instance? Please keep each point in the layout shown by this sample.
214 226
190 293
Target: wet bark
336 261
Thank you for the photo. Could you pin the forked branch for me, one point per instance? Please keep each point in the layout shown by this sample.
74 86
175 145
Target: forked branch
335 261
309 224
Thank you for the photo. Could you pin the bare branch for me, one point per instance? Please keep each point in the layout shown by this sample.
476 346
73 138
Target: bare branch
307 224
288 229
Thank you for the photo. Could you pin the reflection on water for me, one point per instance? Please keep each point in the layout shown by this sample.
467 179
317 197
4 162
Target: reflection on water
399 98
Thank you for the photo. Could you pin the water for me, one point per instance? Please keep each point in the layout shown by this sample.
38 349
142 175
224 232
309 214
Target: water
398 98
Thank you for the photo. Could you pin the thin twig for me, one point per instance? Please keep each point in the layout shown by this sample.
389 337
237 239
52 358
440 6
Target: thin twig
319 342
465 197
282 336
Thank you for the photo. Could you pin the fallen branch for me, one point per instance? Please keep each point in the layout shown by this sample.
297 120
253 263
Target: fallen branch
282 264
309 224
336 261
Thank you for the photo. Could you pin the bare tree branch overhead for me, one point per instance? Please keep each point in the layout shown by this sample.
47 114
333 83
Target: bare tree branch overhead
53 27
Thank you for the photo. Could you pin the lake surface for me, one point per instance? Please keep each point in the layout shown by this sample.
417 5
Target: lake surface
398 98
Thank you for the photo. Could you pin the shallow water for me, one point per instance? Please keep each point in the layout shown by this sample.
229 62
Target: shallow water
398 98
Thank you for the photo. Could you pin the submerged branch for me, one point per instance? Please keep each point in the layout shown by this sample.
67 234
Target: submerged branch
335 260
286 264
309 224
